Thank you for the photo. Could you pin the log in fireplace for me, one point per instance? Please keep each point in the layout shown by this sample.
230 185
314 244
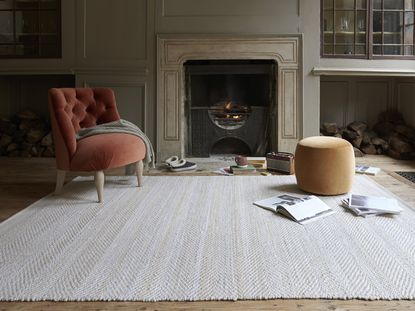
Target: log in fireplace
230 106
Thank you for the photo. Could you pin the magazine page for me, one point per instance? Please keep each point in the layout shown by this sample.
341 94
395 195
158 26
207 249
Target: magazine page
310 209
279 200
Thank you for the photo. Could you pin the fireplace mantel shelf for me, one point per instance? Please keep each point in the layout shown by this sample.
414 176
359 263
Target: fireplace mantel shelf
331 71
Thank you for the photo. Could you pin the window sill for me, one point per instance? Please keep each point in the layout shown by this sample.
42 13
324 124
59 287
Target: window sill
325 71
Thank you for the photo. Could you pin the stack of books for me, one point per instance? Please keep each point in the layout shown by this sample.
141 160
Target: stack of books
242 170
367 206
257 162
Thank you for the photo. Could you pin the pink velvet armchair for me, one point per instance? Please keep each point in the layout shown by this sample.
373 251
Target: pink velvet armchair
74 108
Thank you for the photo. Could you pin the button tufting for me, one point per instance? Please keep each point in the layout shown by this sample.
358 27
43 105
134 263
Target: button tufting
89 109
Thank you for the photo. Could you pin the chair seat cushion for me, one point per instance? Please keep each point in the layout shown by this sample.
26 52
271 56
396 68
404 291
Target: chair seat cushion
106 151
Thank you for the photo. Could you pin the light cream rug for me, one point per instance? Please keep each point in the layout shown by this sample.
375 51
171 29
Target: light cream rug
200 238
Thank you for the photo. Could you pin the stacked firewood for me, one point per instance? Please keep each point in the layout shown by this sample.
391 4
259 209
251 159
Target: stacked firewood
389 136
400 136
25 135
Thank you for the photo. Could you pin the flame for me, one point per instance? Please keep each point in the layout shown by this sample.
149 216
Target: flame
228 106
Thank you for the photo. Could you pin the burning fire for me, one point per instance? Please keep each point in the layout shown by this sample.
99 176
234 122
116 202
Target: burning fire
228 114
228 106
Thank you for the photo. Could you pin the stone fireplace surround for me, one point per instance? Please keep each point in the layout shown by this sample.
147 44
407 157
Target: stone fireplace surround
174 50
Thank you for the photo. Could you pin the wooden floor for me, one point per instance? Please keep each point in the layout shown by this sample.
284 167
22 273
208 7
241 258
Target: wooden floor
24 181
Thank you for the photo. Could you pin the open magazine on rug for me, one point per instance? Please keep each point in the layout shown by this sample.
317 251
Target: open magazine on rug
300 209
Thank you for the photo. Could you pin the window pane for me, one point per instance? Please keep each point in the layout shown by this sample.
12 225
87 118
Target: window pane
6 4
361 38
6 27
409 4
26 4
328 50
361 21
377 4
6 50
409 27
377 21
360 49
392 50
409 50
48 50
344 49
345 21
48 22
328 38
344 38
391 38
27 39
393 4
377 38
48 4
393 22
25 25
377 50
26 22
27 50
328 4
328 21
361 4
344 4
48 39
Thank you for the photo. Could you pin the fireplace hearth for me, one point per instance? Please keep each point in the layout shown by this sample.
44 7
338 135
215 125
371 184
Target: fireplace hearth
229 106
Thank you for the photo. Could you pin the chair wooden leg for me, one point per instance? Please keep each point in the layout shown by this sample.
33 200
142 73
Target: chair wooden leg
99 184
60 180
139 167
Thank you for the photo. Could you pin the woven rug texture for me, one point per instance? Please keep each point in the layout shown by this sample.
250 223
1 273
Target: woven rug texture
201 238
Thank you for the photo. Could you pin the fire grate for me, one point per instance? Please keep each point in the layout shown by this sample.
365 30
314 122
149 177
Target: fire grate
229 115
408 175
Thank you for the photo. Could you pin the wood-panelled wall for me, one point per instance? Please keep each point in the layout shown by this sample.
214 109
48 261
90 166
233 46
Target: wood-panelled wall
113 43
347 99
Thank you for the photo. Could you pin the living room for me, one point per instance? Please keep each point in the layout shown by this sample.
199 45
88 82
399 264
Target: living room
146 52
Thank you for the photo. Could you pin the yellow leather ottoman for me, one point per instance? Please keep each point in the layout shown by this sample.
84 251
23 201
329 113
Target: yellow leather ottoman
324 165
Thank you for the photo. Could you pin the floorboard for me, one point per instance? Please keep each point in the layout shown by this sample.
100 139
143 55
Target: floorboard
24 181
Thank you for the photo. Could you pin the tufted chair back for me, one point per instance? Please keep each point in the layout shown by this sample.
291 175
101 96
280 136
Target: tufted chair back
74 108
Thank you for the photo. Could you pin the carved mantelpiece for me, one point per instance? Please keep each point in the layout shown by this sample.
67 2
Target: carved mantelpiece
174 50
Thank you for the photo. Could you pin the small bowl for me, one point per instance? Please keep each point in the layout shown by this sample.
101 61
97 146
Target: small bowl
241 161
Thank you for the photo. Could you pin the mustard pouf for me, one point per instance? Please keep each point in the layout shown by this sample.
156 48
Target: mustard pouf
324 165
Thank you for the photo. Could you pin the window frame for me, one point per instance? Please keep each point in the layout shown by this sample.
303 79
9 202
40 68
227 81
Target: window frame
369 33
37 35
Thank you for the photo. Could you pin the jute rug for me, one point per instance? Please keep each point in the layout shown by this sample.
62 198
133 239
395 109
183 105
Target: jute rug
200 238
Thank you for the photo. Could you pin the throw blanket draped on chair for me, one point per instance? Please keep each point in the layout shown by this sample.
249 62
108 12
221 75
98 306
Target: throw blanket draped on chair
120 126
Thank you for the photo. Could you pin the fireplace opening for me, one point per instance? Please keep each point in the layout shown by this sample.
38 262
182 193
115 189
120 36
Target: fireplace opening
230 106
230 145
